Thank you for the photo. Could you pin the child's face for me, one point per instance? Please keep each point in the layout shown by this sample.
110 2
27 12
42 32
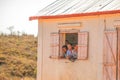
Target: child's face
69 47
64 50
76 47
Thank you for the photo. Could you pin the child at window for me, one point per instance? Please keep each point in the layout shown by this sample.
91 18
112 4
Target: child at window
69 51
67 42
72 53
75 52
64 51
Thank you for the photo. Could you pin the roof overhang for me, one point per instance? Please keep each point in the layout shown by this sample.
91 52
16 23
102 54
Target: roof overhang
74 15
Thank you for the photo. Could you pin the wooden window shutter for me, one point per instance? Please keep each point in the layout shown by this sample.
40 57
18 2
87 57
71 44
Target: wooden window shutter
54 45
83 45
110 53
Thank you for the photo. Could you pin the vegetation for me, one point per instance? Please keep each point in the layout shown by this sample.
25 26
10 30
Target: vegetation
18 57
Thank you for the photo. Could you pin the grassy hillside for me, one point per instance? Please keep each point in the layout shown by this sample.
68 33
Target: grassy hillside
18 57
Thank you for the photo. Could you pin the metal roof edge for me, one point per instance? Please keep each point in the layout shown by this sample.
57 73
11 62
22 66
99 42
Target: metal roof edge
74 15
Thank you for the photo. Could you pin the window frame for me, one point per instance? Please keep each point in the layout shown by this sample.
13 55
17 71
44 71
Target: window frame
64 31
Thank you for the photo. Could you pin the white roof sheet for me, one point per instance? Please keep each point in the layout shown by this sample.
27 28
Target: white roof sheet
61 7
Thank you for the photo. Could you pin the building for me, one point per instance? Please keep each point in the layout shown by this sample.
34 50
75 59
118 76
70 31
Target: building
92 24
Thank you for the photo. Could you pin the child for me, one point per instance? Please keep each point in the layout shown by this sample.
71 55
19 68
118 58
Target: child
64 51
75 52
69 51
72 53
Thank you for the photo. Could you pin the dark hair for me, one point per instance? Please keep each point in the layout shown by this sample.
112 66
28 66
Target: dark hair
64 46
67 41
69 44
75 44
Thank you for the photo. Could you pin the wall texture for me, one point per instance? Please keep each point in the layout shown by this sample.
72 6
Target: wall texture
62 69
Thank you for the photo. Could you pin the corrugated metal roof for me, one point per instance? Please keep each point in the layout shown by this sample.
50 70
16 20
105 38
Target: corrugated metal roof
63 7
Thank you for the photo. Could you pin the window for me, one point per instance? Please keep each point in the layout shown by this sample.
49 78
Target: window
75 37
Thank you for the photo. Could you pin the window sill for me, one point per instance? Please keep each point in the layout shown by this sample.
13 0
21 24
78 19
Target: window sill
63 59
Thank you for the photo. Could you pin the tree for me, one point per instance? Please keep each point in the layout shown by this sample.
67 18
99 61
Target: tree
11 29
24 34
18 33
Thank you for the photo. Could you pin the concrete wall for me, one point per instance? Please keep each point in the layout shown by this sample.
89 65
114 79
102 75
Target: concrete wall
63 69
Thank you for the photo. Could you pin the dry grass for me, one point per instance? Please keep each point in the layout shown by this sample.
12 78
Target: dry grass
18 57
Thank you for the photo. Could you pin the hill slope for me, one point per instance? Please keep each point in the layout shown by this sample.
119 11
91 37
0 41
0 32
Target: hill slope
18 57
